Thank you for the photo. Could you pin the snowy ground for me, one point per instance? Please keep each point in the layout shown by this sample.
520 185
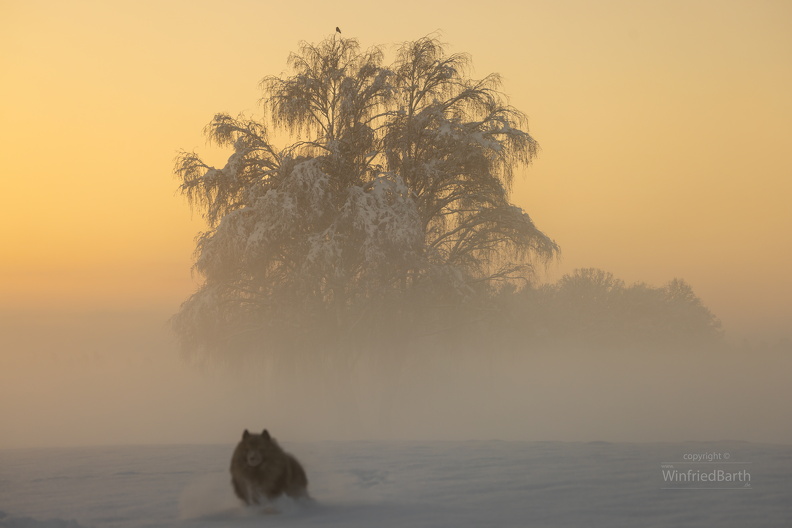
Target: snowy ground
367 484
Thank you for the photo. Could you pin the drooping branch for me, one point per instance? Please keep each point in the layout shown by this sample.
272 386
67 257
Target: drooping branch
396 180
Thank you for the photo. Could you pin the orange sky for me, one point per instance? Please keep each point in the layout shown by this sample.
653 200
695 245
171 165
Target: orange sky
664 129
665 135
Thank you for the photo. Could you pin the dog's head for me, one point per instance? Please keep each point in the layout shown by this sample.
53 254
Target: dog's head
256 447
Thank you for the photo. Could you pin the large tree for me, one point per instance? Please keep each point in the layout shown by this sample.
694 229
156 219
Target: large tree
395 188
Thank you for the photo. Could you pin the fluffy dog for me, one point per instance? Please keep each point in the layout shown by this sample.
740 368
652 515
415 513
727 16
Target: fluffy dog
261 471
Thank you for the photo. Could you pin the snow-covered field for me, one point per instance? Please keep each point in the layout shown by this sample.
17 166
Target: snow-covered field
406 484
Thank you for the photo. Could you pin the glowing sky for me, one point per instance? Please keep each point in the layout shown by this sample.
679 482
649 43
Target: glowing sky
664 127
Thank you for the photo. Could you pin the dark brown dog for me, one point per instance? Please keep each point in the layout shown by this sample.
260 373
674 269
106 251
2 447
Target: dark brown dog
261 471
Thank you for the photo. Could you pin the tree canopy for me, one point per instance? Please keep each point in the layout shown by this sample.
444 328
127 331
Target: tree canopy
396 186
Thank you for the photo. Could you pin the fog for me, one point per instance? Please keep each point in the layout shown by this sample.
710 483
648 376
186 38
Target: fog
72 378
668 89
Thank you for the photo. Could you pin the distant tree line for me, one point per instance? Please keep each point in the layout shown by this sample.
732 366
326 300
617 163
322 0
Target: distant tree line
592 307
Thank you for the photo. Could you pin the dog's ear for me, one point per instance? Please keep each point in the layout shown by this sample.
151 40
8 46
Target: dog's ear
245 435
265 434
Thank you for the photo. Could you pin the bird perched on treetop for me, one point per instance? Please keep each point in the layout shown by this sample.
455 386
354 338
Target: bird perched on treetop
338 30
